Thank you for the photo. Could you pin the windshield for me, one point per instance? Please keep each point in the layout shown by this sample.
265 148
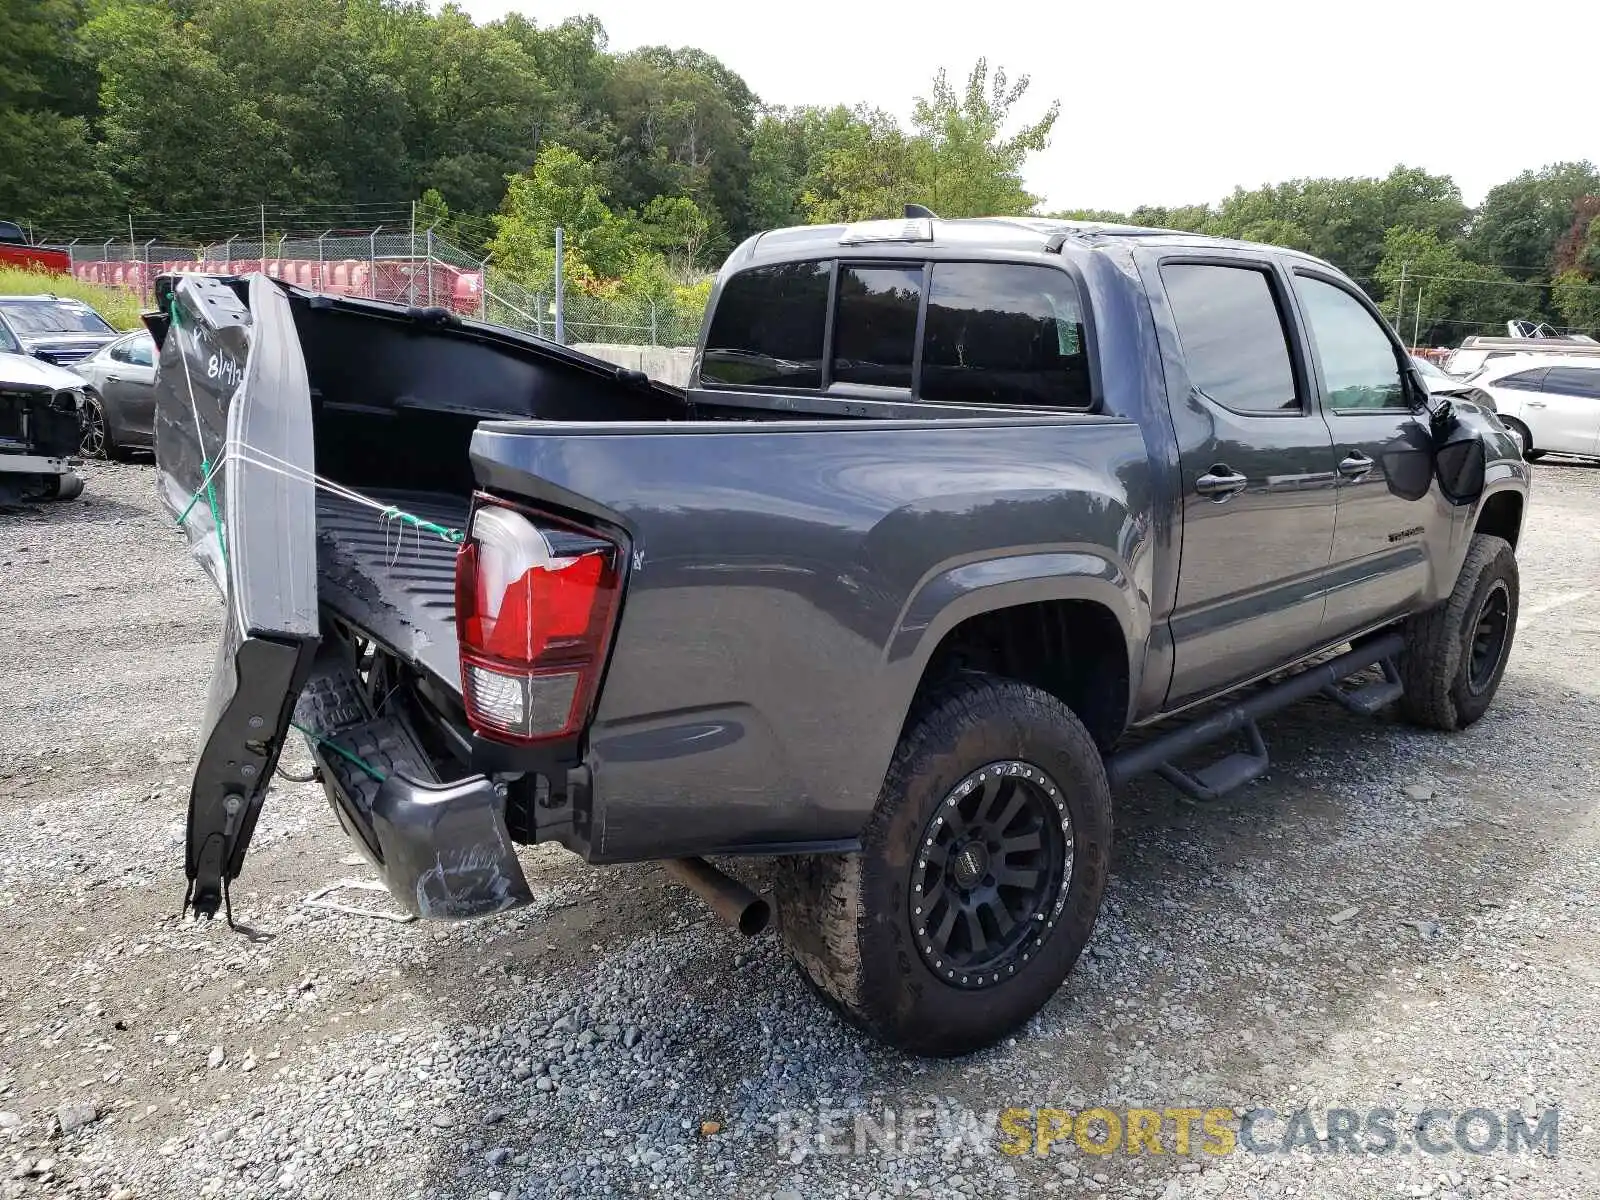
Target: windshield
62 316
1429 370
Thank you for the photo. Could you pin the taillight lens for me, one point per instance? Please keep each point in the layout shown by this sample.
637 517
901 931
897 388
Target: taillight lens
534 609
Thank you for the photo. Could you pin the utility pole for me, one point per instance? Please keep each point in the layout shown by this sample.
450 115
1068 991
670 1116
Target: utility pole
133 250
561 308
1400 299
263 239
1416 323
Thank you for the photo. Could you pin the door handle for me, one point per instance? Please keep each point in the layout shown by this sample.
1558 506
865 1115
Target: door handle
1538 404
1354 465
113 378
1220 482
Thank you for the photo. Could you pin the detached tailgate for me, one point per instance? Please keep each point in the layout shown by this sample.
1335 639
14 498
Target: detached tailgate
232 376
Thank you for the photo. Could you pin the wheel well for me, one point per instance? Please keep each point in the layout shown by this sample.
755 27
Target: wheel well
1501 516
1073 649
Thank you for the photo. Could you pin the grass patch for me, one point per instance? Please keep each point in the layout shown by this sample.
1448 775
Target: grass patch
119 307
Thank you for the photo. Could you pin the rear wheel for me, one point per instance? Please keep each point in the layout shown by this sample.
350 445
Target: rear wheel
979 880
1456 653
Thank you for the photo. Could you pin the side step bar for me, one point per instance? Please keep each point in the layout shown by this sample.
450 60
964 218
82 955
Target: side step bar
1237 769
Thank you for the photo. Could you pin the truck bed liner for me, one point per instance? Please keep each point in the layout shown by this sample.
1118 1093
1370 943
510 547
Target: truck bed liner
390 580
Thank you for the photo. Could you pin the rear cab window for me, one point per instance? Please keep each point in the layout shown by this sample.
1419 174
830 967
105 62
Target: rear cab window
768 328
961 333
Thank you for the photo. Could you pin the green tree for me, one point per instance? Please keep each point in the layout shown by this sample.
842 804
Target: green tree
965 166
49 173
1445 295
683 125
865 167
169 151
1576 298
1343 220
1521 221
560 189
675 226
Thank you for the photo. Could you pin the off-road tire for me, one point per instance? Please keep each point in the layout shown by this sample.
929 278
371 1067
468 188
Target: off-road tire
1436 665
846 919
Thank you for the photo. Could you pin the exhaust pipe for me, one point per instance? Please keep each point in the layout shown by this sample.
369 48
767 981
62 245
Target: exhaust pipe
726 896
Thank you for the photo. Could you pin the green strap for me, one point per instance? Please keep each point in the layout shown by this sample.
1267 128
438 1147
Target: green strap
330 744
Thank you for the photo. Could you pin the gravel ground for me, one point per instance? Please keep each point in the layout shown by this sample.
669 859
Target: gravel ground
1391 919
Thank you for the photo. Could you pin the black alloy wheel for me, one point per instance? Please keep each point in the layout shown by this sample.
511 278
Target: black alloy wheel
992 874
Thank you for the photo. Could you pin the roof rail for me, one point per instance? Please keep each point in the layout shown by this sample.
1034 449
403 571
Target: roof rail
1056 240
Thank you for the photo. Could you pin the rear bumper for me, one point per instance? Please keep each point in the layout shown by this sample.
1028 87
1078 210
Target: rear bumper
444 850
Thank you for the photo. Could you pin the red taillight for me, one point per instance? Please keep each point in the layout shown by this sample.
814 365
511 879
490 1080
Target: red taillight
534 607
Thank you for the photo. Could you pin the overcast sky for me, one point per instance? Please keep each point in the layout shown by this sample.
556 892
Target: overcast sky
1175 102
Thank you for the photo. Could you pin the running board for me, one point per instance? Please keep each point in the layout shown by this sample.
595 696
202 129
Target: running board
1161 751
1372 699
1224 775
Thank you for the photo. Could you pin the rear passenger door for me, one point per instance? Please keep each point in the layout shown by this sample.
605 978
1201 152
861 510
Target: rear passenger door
1257 471
1384 545
1567 408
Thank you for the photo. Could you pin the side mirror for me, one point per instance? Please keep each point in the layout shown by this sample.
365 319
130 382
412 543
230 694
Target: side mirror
1459 466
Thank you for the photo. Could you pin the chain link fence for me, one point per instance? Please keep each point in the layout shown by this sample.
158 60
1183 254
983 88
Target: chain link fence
413 267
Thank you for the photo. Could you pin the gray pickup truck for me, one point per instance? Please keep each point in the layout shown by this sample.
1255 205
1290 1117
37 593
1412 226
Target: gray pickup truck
959 525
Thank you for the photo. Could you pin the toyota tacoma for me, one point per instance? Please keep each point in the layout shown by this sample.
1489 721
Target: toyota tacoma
958 526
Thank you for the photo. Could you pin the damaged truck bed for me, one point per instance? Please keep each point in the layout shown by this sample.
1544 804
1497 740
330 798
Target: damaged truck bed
323 485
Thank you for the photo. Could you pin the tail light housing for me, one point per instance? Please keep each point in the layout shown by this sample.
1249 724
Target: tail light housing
535 605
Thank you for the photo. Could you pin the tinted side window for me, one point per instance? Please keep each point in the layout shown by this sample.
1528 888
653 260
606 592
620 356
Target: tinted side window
141 352
1573 381
1232 336
999 334
122 352
8 341
1525 381
875 333
1357 359
767 330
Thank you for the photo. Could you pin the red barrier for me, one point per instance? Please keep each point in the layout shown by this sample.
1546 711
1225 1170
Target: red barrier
410 281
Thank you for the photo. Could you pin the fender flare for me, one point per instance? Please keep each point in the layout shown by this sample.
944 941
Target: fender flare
961 592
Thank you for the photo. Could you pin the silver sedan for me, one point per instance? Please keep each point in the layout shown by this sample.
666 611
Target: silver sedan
120 416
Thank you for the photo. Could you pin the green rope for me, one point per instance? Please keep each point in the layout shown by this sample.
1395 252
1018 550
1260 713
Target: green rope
450 535
330 744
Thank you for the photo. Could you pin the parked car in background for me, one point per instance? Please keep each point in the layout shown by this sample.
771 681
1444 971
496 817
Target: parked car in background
119 412
1550 402
58 329
17 250
1477 352
1441 383
41 416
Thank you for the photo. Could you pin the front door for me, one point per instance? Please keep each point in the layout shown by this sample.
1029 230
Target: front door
1384 545
1257 471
